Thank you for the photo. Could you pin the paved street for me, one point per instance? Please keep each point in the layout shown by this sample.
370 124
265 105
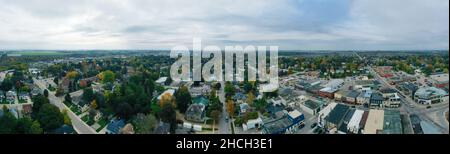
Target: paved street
79 125
224 127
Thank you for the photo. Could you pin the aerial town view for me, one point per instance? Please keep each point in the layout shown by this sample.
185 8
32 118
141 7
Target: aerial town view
108 68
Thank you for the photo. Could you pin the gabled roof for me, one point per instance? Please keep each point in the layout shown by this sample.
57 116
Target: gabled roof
115 125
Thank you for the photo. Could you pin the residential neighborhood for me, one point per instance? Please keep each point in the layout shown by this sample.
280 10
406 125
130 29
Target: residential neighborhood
134 94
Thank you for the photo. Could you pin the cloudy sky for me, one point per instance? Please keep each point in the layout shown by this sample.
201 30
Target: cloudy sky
162 24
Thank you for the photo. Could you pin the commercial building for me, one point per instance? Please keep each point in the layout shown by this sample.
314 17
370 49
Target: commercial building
392 122
311 107
430 95
375 122
287 123
353 126
439 80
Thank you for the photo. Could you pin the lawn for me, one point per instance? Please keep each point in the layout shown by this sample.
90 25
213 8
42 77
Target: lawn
51 89
75 109
21 101
102 122
3 102
85 118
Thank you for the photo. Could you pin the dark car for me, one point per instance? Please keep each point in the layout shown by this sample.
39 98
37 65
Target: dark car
313 125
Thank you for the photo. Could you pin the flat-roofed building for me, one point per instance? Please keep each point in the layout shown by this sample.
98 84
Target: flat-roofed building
375 122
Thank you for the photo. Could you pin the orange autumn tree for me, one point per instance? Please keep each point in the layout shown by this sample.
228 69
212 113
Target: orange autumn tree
167 99
230 107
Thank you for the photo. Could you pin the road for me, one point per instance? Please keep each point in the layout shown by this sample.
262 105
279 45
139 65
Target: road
434 115
224 126
79 125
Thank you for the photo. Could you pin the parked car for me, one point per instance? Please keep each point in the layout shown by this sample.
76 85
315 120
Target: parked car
313 125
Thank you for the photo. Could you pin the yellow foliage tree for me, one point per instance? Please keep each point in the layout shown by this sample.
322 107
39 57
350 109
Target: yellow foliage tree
250 98
230 107
167 99
94 104
72 74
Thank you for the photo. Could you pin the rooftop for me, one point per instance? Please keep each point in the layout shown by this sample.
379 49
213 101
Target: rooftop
392 122
312 104
375 122
427 92
337 114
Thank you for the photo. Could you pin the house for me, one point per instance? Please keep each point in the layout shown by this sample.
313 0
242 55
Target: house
36 91
353 126
23 96
252 123
127 129
115 126
375 122
239 97
161 81
196 111
10 97
311 107
244 108
65 85
163 128
430 95
168 91
88 81
203 89
376 100
392 122
27 109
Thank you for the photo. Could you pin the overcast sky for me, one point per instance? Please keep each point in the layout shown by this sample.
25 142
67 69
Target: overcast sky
162 24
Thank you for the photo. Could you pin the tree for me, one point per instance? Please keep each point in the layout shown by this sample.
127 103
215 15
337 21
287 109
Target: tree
250 98
215 115
36 128
72 75
6 85
260 105
67 120
88 95
144 124
183 98
229 89
56 80
23 125
8 123
46 93
68 98
107 76
168 115
94 104
38 102
167 99
230 107
50 117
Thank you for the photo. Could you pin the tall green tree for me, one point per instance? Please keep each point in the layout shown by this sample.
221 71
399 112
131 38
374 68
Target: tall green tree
50 117
183 98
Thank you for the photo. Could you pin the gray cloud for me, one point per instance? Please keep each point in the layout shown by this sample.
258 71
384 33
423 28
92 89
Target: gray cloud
291 24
